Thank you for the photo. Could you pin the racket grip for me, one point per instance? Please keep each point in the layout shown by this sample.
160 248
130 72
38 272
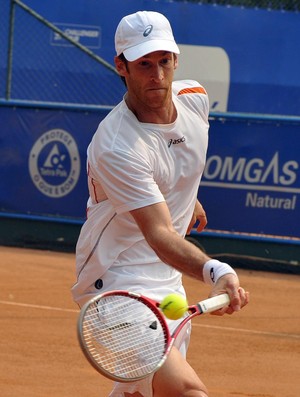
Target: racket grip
214 303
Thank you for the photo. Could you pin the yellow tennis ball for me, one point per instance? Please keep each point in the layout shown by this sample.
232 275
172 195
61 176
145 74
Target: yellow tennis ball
174 306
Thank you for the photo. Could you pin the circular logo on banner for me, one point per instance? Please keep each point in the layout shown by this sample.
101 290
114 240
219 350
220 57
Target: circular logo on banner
54 163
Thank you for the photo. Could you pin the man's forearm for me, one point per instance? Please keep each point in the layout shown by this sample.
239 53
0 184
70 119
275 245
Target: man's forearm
179 253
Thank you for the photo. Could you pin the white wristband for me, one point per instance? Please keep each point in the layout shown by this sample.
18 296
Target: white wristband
214 269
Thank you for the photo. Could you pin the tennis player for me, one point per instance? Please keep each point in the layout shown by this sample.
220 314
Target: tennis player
145 164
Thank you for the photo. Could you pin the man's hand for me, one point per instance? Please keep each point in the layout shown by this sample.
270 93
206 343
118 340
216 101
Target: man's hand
198 215
238 296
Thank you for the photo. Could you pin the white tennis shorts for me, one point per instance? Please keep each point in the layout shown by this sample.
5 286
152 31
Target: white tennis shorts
143 388
155 281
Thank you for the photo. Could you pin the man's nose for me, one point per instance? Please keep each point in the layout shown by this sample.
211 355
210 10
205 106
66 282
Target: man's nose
157 73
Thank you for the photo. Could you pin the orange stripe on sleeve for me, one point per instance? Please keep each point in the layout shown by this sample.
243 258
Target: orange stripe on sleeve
192 90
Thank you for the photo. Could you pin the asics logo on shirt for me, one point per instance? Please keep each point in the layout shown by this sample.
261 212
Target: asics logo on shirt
176 141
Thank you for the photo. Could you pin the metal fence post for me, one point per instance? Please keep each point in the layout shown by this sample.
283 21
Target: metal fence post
10 50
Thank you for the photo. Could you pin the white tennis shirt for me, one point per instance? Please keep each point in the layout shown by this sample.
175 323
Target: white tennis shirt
133 165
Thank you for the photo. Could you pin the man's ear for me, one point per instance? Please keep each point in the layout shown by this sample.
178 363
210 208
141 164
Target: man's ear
175 61
120 66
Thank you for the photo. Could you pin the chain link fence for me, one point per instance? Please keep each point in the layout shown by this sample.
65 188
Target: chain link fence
45 64
284 5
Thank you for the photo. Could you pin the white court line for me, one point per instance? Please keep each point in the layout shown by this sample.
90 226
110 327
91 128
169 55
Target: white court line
39 306
250 331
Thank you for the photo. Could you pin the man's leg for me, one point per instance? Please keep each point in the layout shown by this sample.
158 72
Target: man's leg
177 378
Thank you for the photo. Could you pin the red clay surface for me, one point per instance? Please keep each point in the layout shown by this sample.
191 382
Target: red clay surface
255 353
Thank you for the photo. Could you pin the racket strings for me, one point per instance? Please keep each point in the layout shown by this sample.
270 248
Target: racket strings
124 336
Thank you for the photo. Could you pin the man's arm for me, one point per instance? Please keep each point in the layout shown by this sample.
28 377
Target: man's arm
156 225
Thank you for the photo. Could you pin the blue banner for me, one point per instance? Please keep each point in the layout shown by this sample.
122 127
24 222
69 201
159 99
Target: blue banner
43 160
251 182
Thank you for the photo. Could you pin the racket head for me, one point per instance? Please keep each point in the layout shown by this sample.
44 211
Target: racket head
123 335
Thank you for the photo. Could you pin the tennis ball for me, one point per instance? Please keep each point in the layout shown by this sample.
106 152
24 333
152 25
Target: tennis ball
174 306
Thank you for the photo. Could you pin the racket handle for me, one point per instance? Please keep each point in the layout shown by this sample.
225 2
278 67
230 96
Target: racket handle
214 303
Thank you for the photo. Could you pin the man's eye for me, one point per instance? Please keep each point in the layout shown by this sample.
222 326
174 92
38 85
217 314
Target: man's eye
165 61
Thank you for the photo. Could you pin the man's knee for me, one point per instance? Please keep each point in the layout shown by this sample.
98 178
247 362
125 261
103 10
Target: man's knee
177 378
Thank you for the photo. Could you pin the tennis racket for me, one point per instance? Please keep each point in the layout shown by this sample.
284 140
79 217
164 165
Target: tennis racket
125 336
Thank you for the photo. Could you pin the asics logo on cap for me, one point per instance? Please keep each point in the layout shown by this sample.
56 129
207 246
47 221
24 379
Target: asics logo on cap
148 30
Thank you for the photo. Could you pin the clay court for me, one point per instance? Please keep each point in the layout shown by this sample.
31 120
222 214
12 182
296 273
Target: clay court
254 353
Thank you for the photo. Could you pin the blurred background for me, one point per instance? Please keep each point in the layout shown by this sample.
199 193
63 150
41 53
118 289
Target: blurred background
58 81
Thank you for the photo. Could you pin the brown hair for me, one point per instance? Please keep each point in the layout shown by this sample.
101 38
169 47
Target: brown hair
123 59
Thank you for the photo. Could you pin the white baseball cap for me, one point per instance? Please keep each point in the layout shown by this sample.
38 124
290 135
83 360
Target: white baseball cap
144 32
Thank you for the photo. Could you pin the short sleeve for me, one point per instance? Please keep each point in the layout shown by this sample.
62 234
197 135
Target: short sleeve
193 93
127 179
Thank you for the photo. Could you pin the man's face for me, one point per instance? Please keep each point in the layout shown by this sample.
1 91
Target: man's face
150 77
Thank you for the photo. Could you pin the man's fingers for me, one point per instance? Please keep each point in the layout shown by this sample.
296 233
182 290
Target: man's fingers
237 301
